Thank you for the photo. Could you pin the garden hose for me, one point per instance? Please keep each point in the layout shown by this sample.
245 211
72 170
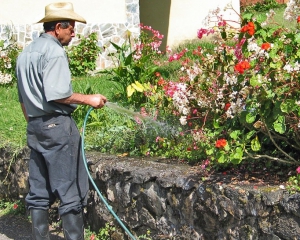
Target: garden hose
93 182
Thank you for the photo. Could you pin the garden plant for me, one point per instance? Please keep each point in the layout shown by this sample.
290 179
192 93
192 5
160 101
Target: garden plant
229 98
236 102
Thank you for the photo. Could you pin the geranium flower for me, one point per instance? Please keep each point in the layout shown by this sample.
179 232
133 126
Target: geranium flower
242 66
298 19
161 81
227 106
266 46
92 237
249 28
220 143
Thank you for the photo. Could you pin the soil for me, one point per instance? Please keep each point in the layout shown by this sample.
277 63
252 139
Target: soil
18 227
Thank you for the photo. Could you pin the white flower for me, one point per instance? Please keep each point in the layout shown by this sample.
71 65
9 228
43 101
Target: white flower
5 78
288 68
183 120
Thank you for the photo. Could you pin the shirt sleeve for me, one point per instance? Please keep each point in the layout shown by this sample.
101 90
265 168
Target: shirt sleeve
57 79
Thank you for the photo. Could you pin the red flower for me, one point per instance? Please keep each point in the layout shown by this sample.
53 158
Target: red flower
242 66
266 46
92 237
161 81
249 28
298 19
220 143
227 106
15 206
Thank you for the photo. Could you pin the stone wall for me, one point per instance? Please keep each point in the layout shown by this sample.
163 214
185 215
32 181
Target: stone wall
172 201
115 32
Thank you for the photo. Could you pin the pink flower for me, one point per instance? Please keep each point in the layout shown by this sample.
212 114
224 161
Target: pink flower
222 23
203 31
298 170
138 120
177 56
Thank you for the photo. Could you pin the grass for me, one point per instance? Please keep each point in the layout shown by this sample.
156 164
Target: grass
278 18
12 121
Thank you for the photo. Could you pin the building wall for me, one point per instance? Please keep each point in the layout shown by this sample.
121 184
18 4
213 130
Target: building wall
180 20
31 11
111 19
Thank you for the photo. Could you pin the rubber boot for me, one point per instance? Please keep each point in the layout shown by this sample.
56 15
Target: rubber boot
73 226
40 225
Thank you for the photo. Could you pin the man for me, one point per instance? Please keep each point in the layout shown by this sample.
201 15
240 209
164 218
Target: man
56 167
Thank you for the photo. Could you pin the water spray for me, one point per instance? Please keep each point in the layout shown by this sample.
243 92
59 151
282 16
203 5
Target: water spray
93 182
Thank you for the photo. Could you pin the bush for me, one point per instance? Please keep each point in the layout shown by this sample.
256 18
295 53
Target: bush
241 101
8 57
84 55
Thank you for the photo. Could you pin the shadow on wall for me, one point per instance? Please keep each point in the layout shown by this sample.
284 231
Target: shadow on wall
156 13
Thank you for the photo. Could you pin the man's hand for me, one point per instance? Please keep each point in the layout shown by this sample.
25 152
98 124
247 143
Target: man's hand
97 100
93 100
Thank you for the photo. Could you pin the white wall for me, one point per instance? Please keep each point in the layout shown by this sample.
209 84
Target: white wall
186 17
31 11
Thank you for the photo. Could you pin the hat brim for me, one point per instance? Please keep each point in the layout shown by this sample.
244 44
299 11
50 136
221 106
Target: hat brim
62 15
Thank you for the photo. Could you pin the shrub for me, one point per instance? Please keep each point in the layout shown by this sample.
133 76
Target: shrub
8 57
241 101
134 65
84 55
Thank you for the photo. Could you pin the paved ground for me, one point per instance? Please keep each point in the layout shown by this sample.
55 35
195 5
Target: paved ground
19 228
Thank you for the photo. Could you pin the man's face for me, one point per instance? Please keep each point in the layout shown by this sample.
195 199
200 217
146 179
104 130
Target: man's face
65 35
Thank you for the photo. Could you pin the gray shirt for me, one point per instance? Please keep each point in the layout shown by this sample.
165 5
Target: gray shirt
43 76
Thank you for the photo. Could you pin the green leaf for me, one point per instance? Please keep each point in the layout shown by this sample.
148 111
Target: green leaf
247 16
216 123
129 58
223 34
250 117
221 157
255 144
255 80
237 156
209 151
262 32
279 125
250 134
297 37
116 46
287 106
235 134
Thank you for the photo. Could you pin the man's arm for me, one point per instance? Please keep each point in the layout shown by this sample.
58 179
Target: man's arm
93 100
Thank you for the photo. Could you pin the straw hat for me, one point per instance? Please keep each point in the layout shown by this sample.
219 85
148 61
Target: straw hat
61 11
